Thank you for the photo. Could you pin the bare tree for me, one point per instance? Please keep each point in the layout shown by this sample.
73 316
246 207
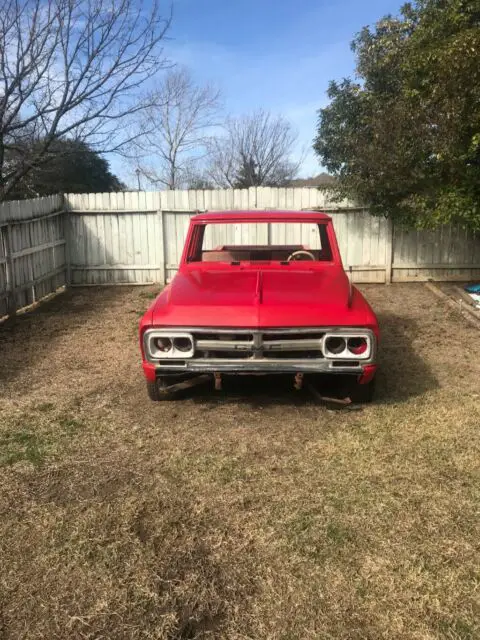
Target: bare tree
71 69
254 151
176 130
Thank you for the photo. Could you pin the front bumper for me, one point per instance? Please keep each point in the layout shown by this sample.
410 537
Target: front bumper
363 372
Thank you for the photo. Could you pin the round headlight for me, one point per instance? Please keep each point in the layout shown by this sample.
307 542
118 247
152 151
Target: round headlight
182 344
163 344
335 345
357 346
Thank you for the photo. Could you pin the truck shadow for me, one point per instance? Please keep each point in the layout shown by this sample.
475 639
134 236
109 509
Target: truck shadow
403 372
27 340
402 375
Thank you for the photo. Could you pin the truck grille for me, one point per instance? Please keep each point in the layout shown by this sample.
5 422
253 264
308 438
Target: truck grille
268 344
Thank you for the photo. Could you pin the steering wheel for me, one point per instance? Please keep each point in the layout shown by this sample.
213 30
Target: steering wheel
301 252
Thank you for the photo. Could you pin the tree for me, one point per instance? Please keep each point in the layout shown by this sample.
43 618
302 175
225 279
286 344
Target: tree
199 182
254 151
175 130
405 138
71 167
71 68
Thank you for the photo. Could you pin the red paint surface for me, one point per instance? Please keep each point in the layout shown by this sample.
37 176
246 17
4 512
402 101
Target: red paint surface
369 371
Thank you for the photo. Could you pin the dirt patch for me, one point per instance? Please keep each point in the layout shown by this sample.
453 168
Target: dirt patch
253 513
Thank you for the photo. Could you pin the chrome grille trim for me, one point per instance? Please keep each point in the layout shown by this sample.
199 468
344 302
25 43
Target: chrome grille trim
258 343
267 345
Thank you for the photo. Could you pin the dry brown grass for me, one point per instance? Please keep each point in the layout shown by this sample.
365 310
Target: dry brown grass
252 514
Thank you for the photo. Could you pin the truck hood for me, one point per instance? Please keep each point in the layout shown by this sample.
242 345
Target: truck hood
260 298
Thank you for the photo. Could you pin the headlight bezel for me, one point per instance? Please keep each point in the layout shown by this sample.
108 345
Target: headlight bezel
153 354
347 353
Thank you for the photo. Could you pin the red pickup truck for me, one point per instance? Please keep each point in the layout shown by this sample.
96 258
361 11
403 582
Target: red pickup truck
259 292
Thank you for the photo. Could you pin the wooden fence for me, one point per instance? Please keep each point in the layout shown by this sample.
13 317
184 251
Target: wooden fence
32 251
137 238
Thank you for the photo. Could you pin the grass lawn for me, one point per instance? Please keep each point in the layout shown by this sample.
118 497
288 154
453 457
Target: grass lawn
253 513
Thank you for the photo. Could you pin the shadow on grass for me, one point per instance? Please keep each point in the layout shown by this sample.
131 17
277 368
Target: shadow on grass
26 339
402 375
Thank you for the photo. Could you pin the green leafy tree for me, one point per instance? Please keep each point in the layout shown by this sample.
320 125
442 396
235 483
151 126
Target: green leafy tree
405 137
70 167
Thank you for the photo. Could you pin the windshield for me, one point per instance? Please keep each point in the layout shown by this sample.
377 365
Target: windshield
264 242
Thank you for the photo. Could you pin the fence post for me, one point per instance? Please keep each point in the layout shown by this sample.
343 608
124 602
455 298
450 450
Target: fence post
10 273
68 238
389 252
161 243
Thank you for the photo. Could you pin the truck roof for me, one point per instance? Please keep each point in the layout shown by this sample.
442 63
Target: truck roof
261 216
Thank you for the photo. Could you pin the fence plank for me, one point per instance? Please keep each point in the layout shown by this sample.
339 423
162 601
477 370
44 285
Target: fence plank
10 273
389 252
33 248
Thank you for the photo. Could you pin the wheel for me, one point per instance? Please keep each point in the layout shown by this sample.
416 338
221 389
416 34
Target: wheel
362 393
155 393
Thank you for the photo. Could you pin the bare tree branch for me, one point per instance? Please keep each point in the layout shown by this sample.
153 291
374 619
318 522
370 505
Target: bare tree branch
176 129
254 151
72 68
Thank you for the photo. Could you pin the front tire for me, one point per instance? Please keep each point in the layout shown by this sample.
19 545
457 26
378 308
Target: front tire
156 394
362 393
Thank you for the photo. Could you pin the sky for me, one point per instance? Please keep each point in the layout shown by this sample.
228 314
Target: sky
277 55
